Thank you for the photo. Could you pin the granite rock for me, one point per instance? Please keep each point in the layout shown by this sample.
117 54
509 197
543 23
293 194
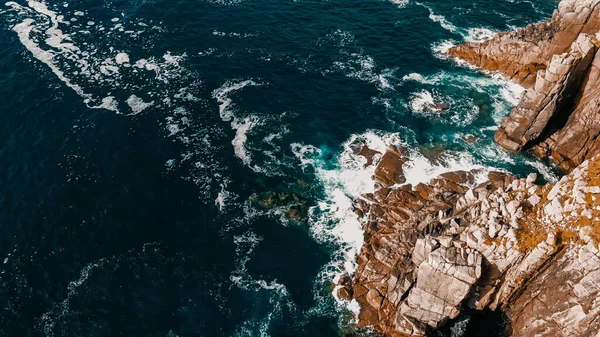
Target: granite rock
433 249
557 61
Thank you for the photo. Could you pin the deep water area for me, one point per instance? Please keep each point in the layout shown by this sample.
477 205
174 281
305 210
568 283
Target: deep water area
185 168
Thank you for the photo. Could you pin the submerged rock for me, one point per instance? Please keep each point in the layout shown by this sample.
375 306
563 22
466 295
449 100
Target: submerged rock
291 200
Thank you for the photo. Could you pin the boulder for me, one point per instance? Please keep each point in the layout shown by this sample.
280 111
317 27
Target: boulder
433 249
389 170
444 280
522 53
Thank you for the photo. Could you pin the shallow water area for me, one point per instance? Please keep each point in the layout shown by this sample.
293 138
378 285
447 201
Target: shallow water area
185 168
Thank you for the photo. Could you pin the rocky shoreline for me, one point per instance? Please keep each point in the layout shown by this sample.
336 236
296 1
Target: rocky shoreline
558 62
432 250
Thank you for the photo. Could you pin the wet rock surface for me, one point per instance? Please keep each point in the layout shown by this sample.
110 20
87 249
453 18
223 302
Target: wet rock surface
389 170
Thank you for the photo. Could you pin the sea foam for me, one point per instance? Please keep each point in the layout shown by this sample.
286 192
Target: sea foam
440 19
241 126
94 71
400 3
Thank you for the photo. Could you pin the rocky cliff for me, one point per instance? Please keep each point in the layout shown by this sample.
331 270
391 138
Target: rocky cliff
558 116
507 244
433 249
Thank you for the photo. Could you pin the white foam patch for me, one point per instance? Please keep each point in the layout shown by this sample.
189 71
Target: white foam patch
474 34
400 3
233 34
440 49
55 38
362 67
357 64
479 34
417 78
349 180
333 220
493 151
531 3
137 105
277 292
504 93
241 136
419 169
122 58
222 197
107 75
511 92
225 2
222 96
341 38
173 60
421 100
442 108
108 103
90 67
241 126
23 31
545 170
447 25
49 319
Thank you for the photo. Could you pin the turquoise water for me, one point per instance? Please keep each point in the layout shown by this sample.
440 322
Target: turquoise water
183 168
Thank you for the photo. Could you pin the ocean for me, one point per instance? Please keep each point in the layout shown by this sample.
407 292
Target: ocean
185 168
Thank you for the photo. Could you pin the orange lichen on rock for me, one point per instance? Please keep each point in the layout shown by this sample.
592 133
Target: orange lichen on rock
566 208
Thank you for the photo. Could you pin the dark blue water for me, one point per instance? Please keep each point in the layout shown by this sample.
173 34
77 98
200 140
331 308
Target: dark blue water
183 168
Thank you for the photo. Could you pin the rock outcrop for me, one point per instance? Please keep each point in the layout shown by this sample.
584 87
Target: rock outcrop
389 171
520 54
433 249
553 92
558 61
